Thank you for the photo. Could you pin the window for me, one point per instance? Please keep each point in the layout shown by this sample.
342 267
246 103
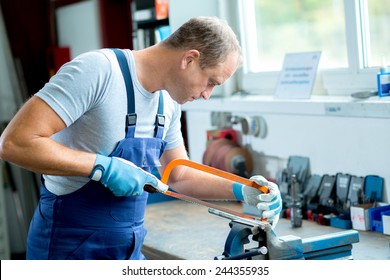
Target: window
377 37
351 34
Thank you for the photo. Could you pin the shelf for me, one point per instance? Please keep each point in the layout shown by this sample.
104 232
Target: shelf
149 23
337 106
152 23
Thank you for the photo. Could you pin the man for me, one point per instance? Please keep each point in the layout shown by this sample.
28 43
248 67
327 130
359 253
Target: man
102 123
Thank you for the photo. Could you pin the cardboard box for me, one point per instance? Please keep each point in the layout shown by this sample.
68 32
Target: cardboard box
359 216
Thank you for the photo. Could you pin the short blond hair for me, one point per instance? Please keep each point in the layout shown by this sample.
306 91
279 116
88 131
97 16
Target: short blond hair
211 36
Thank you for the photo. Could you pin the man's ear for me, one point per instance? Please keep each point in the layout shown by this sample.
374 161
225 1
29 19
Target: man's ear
189 57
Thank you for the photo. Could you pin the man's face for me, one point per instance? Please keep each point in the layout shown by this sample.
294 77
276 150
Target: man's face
194 83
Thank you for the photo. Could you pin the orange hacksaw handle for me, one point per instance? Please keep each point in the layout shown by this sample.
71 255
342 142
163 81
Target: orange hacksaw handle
211 170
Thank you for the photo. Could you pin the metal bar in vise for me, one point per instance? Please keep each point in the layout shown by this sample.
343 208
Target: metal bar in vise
329 246
342 252
324 246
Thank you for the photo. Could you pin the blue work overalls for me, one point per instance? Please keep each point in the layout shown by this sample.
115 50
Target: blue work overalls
92 223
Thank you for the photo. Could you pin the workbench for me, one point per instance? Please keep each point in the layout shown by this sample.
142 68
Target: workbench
181 230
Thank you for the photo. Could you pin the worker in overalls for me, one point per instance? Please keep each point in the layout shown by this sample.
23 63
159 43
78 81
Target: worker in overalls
100 126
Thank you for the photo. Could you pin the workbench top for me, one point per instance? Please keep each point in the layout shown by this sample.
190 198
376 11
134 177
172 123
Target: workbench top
180 230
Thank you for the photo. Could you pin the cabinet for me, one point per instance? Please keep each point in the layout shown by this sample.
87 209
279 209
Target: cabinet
93 24
150 22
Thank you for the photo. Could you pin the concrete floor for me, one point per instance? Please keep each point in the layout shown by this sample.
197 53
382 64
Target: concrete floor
179 230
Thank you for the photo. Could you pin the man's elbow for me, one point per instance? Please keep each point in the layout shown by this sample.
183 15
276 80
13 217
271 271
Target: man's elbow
6 148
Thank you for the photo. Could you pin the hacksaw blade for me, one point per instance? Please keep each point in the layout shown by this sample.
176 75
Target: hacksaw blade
199 202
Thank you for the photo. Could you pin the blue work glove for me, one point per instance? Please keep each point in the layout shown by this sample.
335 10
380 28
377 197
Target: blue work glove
269 204
123 177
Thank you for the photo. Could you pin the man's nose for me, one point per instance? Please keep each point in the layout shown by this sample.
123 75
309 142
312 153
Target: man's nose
206 94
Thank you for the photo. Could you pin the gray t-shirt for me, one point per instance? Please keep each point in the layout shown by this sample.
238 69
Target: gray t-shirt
89 95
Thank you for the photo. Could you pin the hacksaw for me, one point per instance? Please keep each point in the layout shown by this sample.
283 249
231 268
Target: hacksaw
214 171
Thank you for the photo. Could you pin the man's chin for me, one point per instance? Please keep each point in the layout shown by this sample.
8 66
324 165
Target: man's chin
181 102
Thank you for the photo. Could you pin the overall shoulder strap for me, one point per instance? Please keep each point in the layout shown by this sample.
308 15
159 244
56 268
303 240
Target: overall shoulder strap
131 117
160 118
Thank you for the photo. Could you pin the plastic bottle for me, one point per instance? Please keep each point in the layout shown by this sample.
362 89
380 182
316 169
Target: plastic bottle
383 79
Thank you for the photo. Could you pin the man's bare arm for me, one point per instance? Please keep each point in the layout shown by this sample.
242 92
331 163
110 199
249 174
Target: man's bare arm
26 142
194 182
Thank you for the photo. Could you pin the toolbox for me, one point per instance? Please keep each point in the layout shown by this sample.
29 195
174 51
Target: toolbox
373 187
342 221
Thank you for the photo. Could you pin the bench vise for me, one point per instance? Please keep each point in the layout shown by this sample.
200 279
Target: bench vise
265 245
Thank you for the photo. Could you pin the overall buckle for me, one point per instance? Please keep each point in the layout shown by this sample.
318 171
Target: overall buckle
160 120
131 119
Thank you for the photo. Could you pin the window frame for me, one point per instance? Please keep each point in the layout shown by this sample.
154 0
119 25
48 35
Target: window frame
341 81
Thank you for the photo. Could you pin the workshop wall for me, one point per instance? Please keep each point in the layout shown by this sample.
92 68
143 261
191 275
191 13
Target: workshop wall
353 145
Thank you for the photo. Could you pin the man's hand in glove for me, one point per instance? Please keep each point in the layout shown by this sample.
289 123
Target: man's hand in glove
269 204
123 177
